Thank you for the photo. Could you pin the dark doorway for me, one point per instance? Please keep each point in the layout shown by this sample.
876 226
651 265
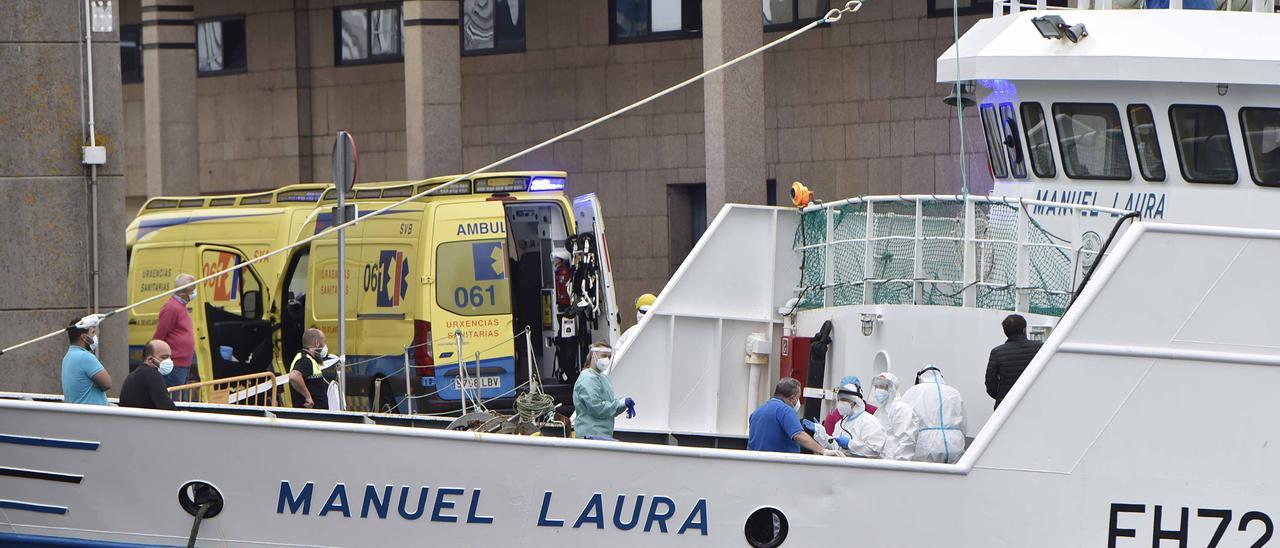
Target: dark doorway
686 220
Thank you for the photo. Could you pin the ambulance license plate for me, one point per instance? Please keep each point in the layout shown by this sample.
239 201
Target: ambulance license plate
472 383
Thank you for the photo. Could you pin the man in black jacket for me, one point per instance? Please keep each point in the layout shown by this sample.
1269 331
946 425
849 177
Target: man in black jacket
1009 359
145 387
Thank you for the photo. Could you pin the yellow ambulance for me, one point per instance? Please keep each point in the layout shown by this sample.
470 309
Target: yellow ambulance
459 276
206 234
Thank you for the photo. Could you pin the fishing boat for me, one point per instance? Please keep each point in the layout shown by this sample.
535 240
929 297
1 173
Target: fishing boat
1137 423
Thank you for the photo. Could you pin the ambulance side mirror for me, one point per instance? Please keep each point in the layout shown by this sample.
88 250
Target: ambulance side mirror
251 304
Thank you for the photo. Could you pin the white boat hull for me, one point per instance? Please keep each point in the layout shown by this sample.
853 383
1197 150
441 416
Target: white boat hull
1106 442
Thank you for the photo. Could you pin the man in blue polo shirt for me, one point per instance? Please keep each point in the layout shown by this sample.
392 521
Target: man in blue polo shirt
1186 4
775 426
84 380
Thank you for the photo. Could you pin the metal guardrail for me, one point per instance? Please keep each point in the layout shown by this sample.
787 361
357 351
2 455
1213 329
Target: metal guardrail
255 389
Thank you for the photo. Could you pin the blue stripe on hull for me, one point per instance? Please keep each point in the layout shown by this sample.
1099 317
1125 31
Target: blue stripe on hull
49 442
32 507
39 474
15 539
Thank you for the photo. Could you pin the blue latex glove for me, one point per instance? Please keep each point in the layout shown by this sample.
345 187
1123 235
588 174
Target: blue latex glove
631 408
810 425
843 442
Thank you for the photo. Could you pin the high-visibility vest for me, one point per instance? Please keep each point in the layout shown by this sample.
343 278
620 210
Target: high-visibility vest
315 367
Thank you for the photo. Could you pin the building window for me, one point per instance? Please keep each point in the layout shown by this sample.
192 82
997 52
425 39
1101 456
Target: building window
1204 146
220 46
995 143
943 8
646 20
492 26
1038 146
1142 125
790 14
130 54
1262 141
368 34
1091 141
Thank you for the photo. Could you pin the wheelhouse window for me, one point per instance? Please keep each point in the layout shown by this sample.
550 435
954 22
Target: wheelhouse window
790 14
368 34
999 161
1203 144
220 46
1145 143
1091 141
1038 147
492 26
1262 141
943 8
130 54
1012 141
647 20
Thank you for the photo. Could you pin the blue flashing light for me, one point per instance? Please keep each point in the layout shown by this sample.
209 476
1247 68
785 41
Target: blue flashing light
1000 91
539 184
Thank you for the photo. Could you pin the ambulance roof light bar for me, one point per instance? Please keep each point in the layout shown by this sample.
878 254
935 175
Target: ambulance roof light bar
541 184
500 184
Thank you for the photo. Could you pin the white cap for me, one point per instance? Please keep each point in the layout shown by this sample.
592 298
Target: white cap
92 320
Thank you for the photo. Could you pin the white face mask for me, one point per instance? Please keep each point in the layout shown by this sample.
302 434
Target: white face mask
193 295
93 343
602 364
845 408
882 396
166 366
323 351
796 406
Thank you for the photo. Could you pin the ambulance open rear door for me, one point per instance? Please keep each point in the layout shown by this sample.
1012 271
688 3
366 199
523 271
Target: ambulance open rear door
593 253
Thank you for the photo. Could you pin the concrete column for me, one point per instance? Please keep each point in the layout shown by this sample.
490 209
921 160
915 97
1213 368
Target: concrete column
47 224
302 83
734 104
169 84
432 88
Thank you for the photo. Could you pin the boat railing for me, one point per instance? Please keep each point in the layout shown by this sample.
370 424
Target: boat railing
976 251
1008 7
254 389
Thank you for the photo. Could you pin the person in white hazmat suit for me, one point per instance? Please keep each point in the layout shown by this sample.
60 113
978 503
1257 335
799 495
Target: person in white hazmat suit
942 419
898 419
643 304
858 434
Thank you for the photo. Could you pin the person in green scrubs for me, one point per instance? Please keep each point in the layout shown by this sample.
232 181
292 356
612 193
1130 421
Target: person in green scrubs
594 403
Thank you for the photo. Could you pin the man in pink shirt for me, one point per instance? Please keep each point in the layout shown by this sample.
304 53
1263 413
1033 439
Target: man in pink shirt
174 328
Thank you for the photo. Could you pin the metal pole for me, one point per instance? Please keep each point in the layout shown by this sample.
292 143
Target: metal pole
462 372
970 266
408 384
93 169
341 215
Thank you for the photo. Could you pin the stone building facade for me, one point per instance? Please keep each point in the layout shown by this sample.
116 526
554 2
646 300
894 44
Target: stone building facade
849 108
48 227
